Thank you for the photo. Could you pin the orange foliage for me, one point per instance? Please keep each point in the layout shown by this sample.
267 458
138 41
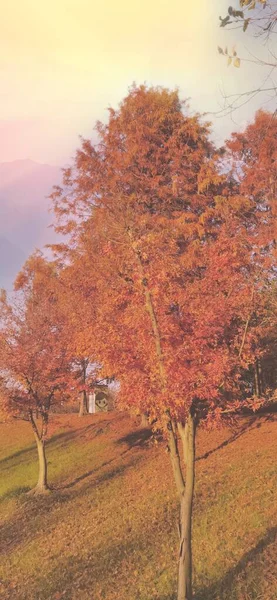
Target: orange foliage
34 360
165 255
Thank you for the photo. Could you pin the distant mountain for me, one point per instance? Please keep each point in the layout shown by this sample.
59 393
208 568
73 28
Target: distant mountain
24 216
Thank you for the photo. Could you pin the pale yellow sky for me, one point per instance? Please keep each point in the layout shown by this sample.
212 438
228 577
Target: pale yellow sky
62 62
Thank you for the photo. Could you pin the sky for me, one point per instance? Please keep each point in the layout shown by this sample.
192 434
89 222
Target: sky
63 62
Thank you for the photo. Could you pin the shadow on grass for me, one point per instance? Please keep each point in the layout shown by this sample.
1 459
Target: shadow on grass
90 473
108 475
100 572
15 493
66 436
137 438
248 427
27 523
133 439
224 587
55 440
18 454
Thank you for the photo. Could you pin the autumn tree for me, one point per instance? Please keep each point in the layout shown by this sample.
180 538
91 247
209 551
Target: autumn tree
252 155
76 290
168 256
34 361
266 368
77 308
254 161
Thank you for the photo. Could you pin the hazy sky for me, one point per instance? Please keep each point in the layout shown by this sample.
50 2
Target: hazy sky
62 62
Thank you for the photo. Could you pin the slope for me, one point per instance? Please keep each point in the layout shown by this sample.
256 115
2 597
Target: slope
108 530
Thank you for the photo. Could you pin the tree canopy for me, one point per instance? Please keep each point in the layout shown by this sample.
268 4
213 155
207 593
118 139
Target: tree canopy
164 279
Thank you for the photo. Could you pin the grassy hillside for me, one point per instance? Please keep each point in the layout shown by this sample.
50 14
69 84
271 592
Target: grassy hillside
108 530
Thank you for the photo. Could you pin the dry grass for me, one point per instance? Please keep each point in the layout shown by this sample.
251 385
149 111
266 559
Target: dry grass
108 530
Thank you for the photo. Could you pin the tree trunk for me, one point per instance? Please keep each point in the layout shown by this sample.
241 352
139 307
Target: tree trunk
258 378
183 431
261 377
86 401
83 404
175 458
42 485
185 555
144 420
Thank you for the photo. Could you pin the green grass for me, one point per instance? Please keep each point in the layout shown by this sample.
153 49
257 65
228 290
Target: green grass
109 528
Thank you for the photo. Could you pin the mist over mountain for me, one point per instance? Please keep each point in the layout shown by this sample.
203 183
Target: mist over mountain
24 216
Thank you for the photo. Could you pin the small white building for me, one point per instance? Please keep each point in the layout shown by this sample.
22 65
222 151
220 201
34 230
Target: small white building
99 400
91 403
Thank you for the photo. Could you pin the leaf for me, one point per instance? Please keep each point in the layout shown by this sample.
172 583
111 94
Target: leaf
237 62
238 14
245 24
220 50
229 62
224 21
234 51
226 51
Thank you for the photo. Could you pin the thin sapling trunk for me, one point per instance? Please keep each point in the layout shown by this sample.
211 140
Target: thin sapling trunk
144 420
42 484
185 553
183 432
83 409
83 404
175 458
